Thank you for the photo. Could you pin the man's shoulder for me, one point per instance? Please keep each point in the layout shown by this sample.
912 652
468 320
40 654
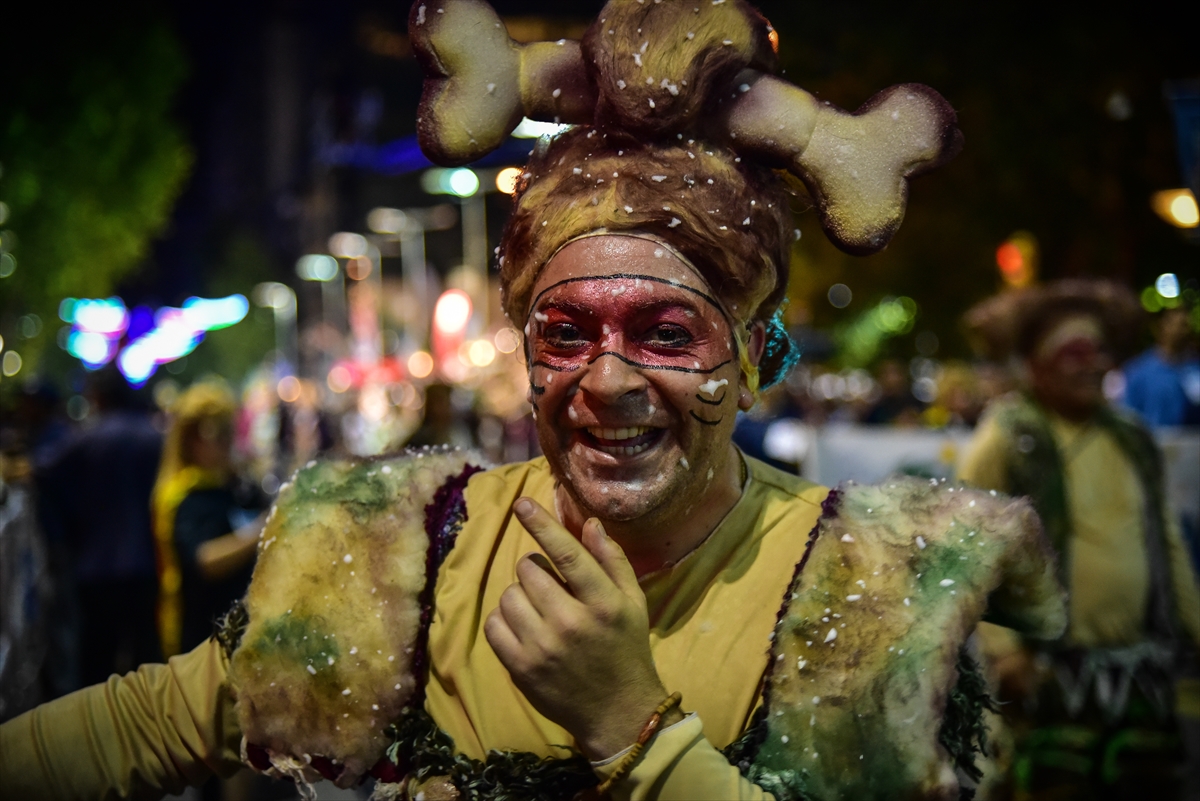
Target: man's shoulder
513 474
784 486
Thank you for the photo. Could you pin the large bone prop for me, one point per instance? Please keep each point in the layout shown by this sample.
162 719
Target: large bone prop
856 166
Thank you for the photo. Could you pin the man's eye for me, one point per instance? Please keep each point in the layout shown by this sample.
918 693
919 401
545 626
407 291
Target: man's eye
670 336
563 335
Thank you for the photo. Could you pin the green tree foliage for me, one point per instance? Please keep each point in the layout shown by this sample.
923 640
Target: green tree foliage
92 158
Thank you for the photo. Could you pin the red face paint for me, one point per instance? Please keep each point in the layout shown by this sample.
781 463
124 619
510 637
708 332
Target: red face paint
634 380
647 322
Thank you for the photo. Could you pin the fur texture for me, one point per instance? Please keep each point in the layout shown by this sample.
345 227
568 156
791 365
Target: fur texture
326 660
866 651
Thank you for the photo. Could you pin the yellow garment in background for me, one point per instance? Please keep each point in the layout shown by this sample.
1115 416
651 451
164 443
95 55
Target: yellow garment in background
169 492
711 616
1108 568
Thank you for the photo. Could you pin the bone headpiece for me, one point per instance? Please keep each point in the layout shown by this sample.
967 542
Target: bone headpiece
703 67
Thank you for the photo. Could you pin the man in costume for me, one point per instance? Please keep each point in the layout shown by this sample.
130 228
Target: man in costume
644 613
1095 477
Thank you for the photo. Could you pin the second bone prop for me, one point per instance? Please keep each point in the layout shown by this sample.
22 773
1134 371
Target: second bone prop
702 68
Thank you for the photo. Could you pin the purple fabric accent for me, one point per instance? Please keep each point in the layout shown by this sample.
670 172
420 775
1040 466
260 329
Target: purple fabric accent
829 506
444 517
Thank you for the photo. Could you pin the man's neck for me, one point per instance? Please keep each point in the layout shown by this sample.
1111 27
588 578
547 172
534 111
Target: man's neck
668 534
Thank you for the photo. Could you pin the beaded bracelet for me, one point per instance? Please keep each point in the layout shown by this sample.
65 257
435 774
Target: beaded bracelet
648 731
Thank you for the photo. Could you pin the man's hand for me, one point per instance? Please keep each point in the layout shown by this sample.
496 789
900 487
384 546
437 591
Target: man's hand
578 648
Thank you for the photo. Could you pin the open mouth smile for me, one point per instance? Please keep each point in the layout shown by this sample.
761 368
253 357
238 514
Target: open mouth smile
621 441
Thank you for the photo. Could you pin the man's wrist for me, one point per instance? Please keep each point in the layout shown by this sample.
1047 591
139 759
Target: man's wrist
615 736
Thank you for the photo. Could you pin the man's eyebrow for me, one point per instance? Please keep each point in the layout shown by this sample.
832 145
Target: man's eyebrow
632 276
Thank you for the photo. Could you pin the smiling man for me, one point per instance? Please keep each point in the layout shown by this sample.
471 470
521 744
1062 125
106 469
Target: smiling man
645 612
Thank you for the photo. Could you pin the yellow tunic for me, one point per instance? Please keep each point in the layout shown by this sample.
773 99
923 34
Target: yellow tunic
711 616
1109 569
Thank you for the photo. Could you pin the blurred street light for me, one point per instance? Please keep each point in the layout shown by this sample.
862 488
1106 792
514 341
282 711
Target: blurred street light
347 245
458 181
506 179
324 268
420 364
282 300
1176 206
452 312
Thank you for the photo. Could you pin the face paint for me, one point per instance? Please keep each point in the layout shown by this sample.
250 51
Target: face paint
647 322
634 370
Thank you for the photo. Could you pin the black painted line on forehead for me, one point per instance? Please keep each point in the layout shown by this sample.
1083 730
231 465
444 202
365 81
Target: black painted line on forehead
641 366
555 368
627 276
700 419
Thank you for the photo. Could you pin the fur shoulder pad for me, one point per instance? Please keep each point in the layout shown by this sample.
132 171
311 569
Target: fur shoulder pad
330 650
867 646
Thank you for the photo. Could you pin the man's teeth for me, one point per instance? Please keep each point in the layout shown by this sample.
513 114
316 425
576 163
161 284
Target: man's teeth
617 434
614 435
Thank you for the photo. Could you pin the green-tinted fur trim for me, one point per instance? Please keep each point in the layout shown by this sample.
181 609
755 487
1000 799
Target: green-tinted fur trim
963 734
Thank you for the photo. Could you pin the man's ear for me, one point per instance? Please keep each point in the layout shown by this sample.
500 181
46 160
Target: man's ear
754 351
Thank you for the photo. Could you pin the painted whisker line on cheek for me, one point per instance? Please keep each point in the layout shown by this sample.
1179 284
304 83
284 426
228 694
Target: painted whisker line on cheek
700 419
556 368
716 402
642 366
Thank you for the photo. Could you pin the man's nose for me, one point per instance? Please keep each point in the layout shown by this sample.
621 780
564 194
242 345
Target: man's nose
609 378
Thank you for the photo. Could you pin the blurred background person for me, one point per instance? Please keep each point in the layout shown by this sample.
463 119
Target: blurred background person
95 510
1163 383
896 404
206 521
1095 477
442 423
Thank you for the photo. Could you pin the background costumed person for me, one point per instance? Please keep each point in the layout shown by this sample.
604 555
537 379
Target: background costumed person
1095 476
204 521
645 612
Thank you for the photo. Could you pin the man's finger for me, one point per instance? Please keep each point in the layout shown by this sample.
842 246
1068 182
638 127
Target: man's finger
520 615
611 558
502 639
546 591
585 578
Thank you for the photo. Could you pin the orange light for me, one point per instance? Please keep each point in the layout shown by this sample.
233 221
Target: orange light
358 268
506 179
339 379
420 364
289 389
1009 258
773 38
1017 259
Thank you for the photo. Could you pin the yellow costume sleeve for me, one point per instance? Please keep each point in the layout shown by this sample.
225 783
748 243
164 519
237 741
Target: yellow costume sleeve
983 464
679 764
157 729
